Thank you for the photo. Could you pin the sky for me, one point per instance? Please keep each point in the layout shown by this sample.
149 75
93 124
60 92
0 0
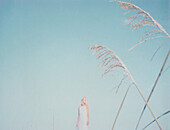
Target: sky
46 66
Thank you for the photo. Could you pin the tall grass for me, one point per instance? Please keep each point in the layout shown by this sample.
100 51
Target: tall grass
141 18
111 62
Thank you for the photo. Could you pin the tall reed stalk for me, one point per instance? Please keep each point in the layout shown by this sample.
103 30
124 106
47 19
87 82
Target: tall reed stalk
111 62
153 89
120 108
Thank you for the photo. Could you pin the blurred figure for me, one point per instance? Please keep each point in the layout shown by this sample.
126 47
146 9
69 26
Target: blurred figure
83 115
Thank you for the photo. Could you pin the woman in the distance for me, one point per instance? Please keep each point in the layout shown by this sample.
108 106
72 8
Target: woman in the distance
83 115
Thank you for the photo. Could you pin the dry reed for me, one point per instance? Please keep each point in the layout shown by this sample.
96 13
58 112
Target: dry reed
144 19
111 62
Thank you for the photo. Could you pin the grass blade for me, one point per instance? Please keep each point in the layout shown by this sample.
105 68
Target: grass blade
157 118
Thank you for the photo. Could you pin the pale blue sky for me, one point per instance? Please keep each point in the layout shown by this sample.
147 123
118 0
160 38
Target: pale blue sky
46 67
